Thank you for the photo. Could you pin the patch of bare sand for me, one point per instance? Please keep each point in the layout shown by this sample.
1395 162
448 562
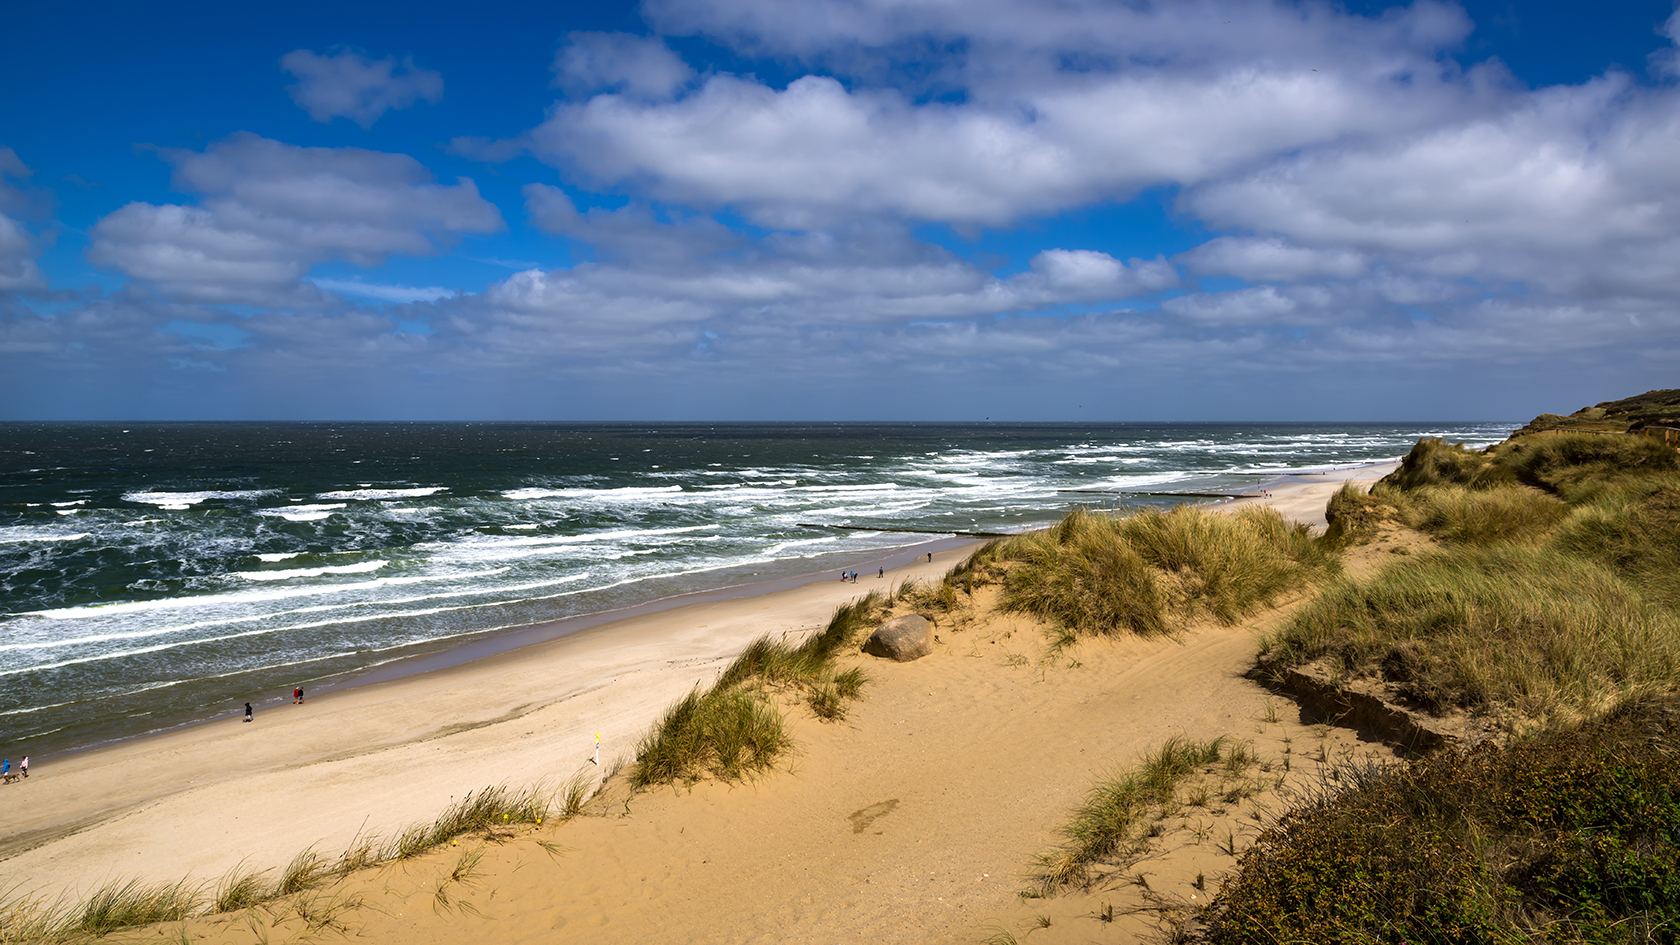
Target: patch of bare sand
915 820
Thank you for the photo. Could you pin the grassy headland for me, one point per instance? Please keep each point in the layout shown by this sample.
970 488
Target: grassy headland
1549 604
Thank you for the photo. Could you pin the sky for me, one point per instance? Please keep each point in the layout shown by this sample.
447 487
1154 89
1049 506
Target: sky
837 210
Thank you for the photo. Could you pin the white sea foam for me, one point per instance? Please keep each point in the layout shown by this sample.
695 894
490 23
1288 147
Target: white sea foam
616 494
279 556
359 568
521 527
376 494
177 501
85 611
70 503
17 536
303 513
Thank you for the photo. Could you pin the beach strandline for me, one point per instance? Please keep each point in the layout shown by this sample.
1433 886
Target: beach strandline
372 759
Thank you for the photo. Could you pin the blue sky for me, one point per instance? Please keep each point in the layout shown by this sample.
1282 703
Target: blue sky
840 209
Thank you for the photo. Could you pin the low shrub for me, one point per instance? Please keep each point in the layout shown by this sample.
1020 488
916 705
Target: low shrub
1573 838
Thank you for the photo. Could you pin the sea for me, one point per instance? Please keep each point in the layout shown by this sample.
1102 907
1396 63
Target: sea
157 574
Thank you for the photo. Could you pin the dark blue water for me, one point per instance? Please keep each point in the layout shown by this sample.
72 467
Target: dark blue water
152 574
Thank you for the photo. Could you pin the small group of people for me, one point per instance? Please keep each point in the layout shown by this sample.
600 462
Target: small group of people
297 699
6 768
849 576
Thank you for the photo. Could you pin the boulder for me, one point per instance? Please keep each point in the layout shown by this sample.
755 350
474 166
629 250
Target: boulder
905 638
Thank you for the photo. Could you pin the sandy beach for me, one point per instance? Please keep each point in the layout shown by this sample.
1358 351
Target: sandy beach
938 741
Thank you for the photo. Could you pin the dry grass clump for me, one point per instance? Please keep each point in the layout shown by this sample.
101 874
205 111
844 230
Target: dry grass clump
1637 535
1149 572
1434 462
1112 823
1570 838
1482 517
725 732
1552 636
1580 467
733 729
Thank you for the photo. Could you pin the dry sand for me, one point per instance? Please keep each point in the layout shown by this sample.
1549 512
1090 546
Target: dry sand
914 820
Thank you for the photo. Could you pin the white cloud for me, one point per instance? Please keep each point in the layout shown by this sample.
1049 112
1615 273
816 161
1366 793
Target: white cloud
1573 189
349 85
1271 260
19 272
383 293
270 210
612 62
630 233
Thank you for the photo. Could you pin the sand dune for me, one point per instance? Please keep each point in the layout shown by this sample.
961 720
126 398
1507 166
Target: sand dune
916 819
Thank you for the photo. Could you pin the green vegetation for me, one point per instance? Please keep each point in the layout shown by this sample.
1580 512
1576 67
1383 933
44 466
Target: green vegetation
1151 572
1574 837
120 905
1114 822
1547 635
1550 604
734 728
1551 598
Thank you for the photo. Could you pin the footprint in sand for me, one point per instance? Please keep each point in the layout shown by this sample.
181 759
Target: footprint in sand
861 819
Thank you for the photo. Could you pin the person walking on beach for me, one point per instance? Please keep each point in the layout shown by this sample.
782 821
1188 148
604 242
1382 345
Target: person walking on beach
247 711
5 766
880 572
297 696
24 766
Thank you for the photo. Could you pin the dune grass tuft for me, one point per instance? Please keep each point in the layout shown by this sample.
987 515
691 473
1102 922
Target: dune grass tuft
1485 516
1148 573
1108 825
1549 635
732 729
124 905
725 732
239 890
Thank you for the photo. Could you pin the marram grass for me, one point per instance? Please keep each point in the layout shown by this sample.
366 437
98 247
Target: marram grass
1550 636
1149 573
734 729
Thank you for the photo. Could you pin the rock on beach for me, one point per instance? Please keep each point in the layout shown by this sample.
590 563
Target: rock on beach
905 638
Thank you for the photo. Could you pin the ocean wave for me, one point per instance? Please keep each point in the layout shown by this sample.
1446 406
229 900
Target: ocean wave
287 575
85 611
369 494
302 513
621 492
279 556
177 501
12 536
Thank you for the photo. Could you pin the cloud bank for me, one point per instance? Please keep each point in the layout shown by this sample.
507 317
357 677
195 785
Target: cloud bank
1361 203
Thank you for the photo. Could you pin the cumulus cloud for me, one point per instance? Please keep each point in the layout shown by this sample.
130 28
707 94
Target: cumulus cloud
619 62
269 211
347 84
1573 189
19 272
1052 107
1271 260
630 233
